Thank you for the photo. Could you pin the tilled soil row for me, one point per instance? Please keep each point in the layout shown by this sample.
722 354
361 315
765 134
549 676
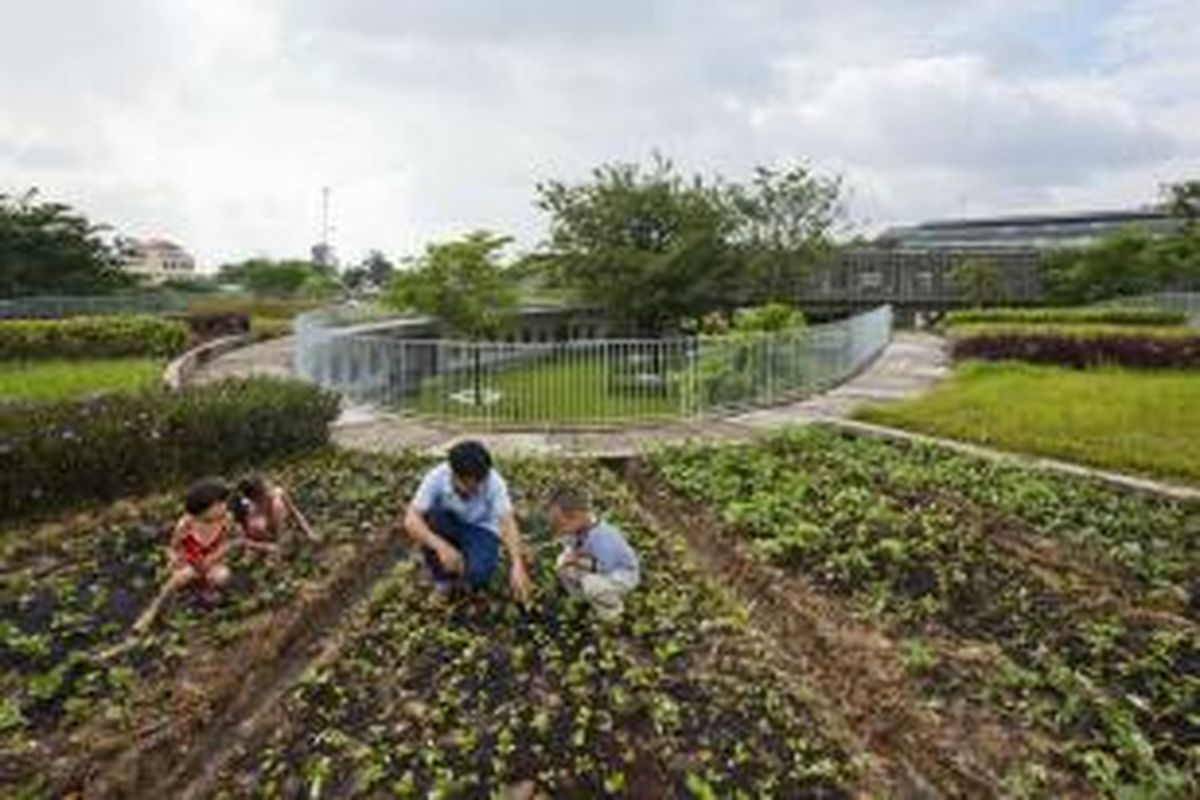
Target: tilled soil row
212 699
858 677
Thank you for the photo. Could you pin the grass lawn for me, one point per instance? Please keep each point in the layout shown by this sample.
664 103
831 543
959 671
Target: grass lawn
57 380
572 392
1130 420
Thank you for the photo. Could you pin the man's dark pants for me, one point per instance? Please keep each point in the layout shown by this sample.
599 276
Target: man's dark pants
479 547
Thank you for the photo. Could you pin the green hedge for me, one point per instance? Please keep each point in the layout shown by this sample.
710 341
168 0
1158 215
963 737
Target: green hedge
54 455
1065 316
91 337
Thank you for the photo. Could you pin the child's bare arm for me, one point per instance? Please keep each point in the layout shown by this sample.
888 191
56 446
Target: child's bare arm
175 543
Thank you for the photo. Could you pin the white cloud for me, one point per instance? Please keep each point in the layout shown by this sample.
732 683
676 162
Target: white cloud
217 121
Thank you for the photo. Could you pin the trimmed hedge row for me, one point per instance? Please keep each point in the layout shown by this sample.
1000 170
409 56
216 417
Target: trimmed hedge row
1081 345
1065 316
91 337
54 455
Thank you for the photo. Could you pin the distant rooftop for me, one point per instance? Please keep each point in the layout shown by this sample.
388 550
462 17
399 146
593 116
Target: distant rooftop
1038 231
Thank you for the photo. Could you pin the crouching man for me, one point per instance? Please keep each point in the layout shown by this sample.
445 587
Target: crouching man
596 563
458 518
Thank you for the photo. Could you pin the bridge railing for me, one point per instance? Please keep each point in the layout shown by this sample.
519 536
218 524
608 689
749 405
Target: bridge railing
586 382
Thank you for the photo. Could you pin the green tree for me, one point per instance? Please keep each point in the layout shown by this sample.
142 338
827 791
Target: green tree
1183 200
379 269
276 278
978 281
463 283
646 245
48 248
1122 264
784 221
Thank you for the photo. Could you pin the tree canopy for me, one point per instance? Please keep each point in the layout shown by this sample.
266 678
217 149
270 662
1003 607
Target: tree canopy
463 282
286 278
653 248
48 248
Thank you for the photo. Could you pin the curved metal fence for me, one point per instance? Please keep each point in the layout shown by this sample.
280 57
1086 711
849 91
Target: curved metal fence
587 381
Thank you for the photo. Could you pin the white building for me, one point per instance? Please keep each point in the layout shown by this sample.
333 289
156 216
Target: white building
156 260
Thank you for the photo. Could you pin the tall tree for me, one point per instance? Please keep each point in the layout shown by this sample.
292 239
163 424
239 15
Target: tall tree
48 248
462 282
379 269
1183 200
785 219
647 246
278 278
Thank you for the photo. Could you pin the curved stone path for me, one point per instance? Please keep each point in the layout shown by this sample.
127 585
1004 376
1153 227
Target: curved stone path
909 366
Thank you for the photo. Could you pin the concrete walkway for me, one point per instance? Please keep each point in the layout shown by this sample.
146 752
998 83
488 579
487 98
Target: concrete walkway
908 367
272 357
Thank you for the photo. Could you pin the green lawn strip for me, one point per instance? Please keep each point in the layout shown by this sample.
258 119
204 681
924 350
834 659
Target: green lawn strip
35 381
70 591
1118 694
1143 421
673 701
579 391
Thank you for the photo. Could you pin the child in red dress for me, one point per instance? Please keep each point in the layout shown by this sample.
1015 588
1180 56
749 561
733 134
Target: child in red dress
199 545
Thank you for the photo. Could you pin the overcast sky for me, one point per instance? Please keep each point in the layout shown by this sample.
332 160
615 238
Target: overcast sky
216 122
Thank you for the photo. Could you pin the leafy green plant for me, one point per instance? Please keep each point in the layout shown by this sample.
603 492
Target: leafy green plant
91 337
58 454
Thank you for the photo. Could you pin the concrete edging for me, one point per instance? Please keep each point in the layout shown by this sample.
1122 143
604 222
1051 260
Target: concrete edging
1117 480
180 371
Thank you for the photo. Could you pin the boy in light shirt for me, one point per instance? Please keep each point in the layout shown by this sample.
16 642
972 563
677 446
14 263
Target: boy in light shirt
597 562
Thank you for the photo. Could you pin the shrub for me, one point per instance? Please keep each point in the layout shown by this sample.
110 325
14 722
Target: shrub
252 307
1080 345
1065 316
57 454
268 328
91 337
205 326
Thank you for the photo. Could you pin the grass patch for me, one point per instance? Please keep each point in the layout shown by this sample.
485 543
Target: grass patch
59 380
1138 421
574 392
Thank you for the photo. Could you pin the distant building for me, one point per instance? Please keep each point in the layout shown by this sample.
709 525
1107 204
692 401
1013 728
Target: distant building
1034 232
156 260
913 266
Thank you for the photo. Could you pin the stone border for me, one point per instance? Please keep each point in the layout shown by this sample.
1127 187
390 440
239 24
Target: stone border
1117 480
180 371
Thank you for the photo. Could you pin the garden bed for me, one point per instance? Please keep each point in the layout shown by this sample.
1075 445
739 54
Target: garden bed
74 718
678 699
1074 603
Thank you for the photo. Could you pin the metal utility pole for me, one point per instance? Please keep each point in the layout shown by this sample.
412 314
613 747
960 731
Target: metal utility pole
325 216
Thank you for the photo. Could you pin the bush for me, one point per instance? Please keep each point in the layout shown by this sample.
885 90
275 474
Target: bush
268 328
252 307
1065 316
1081 345
91 337
56 454
206 326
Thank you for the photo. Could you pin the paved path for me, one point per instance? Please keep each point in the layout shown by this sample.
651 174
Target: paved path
272 357
908 367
